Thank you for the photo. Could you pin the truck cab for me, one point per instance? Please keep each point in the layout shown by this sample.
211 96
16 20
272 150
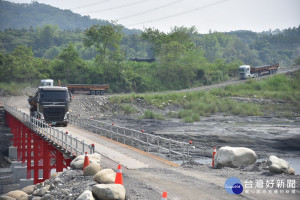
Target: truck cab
51 104
244 72
46 83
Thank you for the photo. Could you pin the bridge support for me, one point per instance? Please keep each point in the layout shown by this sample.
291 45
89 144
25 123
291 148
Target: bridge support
32 147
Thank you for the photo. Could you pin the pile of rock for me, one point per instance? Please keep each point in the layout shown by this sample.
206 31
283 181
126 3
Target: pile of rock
106 187
89 184
241 157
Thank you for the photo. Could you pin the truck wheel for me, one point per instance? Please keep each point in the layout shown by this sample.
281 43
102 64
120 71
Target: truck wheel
101 92
92 92
97 92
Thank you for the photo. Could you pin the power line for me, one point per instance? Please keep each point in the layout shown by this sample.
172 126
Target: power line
181 13
117 7
147 11
89 5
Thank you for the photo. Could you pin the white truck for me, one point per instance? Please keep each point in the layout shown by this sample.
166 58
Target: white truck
46 82
247 71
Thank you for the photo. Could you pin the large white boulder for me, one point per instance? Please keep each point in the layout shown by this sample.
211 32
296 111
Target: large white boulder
234 157
91 169
105 176
78 162
28 189
86 195
109 191
278 165
16 194
42 191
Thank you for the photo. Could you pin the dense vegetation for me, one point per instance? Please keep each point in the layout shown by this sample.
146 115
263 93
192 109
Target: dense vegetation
101 53
281 92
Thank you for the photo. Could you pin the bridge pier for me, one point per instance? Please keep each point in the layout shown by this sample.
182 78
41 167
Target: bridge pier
29 146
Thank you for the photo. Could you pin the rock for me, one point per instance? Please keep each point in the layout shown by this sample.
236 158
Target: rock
77 163
91 169
105 176
54 175
278 165
109 191
234 157
28 189
66 192
42 191
37 198
16 193
22 197
291 171
47 197
7 198
52 186
57 180
86 195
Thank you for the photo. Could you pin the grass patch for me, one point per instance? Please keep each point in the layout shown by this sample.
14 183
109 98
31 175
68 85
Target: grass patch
12 88
280 87
149 114
127 109
173 114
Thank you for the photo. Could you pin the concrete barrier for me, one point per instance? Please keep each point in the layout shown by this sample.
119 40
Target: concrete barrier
25 182
13 153
20 172
14 164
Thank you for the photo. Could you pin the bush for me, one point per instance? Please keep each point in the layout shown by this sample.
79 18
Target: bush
148 114
128 109
12 88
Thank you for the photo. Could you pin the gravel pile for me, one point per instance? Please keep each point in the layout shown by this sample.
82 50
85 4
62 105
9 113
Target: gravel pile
69 184
4 161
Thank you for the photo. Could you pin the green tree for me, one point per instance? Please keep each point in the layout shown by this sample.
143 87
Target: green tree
52 52
46 36
106 39
69 67
156 38
6 67
23 68
297 60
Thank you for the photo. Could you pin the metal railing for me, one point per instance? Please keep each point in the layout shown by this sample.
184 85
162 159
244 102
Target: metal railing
163 147
56 137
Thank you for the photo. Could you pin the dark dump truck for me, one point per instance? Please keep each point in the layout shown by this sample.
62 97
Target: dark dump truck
51 104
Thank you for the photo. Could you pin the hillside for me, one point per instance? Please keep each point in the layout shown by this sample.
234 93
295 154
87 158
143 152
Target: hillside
18 16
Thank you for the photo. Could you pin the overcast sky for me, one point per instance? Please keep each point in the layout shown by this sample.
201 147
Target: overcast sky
205 15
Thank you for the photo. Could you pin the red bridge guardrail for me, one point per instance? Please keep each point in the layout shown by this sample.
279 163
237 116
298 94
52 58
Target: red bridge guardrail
47 147
57 137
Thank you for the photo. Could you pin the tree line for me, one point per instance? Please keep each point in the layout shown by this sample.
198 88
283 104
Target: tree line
101 54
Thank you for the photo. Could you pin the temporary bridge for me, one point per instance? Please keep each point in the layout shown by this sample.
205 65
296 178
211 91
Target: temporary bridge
40 146
51 148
